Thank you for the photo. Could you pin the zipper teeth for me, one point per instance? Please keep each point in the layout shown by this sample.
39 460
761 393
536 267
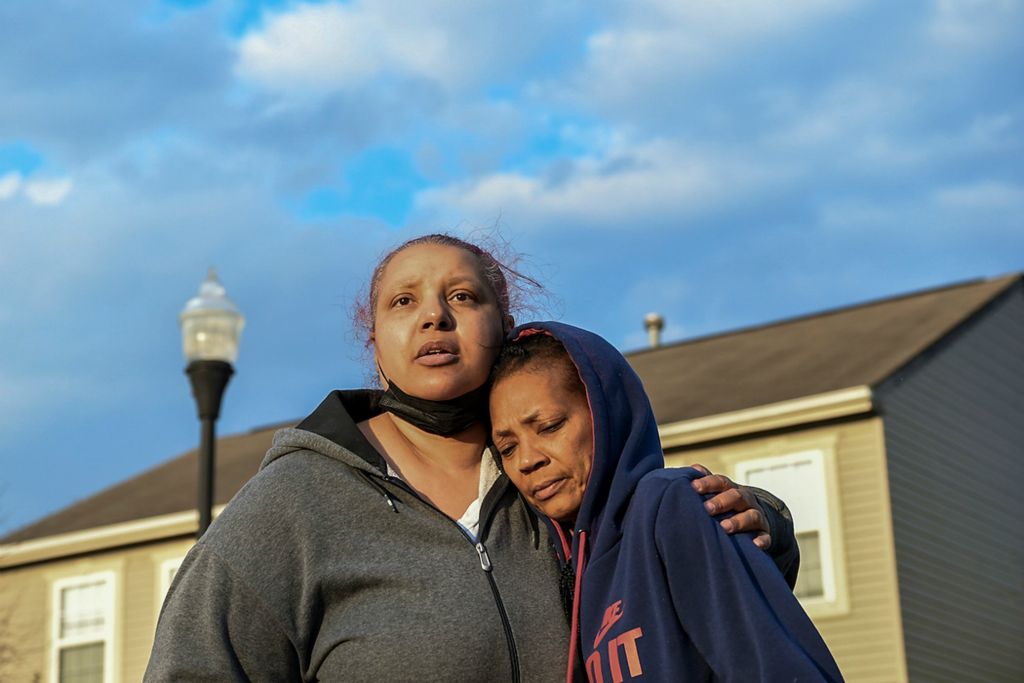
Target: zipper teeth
513 651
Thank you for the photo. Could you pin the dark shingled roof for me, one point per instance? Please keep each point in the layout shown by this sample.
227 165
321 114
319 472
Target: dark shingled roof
856 346
859 345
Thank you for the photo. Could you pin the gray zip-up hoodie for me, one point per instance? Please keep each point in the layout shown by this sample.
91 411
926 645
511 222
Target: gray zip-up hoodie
325 568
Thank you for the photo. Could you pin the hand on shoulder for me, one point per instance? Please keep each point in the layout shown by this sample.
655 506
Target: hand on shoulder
727 496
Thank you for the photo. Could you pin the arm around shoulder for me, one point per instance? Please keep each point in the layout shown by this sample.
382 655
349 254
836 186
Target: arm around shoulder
753 510
731 601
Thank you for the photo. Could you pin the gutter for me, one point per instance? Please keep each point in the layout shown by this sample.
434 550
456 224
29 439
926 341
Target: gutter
101 538
804 410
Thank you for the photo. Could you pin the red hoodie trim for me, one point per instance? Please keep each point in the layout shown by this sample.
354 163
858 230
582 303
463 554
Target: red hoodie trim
574 637
566 548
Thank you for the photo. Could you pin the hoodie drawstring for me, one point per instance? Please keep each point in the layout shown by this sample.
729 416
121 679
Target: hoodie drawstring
581 555
383 491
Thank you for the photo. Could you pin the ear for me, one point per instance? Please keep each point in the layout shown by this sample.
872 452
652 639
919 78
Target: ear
380 372
509 324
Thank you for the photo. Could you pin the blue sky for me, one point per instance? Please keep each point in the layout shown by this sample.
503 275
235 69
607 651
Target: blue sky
723 163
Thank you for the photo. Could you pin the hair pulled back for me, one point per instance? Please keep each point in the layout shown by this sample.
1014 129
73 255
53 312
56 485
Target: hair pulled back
507 284
539 352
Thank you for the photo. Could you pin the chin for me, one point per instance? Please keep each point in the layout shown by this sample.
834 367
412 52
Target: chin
559 513
442 390
442 393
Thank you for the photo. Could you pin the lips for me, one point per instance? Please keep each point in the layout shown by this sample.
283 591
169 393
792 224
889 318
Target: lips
437 353
548 489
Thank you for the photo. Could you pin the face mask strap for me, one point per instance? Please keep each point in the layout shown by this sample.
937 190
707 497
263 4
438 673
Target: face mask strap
444 418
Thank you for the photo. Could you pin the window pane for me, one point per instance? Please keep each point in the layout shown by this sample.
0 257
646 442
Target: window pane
82 664
83 610
168 570
797 481
809 581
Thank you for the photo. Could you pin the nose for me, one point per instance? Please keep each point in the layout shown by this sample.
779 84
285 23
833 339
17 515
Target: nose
435 314
530 459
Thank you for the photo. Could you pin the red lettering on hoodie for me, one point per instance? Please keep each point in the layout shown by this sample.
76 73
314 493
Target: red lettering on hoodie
595 664
611 615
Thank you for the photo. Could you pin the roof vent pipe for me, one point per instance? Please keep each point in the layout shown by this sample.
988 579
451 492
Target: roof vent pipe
654 324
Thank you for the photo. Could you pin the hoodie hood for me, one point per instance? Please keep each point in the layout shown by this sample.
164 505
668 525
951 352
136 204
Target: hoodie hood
626 442
331 431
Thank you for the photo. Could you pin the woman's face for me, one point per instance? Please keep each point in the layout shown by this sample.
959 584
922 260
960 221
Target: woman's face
437 326
544 433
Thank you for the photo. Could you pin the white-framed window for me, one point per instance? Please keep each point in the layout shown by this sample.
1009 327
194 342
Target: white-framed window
165 575
805 482
83 629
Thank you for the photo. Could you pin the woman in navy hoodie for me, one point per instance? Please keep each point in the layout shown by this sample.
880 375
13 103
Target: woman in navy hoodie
660 592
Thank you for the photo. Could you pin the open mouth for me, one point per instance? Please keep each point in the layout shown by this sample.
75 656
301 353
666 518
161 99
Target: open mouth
437 353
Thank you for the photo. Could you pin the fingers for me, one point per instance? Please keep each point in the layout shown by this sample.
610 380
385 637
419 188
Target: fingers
751 520
700 468
730 500
748 516
713 483
748 520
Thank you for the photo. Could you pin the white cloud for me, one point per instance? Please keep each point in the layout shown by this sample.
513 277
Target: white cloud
661 32
320 48
10 183
337 46
48 192
856 124
660 44
632 184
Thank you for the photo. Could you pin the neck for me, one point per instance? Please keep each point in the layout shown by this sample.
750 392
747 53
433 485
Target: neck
407 447
445 470
458 451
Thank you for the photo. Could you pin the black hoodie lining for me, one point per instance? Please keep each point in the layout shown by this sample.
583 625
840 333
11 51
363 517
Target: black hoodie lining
336 417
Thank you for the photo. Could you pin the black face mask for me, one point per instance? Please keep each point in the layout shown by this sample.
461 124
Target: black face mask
437 417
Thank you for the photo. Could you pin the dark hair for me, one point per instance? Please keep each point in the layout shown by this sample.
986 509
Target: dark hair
538 352
497 273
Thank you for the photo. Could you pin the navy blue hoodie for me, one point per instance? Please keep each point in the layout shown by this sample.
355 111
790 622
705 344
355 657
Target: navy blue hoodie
662 593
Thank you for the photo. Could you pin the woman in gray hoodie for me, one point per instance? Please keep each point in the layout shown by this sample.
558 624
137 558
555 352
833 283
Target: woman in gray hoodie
380 541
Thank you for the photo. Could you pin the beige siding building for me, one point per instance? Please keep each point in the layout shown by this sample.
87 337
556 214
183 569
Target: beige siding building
892 429
894 432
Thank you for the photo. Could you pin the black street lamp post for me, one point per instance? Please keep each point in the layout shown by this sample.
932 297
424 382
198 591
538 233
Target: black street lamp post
211 326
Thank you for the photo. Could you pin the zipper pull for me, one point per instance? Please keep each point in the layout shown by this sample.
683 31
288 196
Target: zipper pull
485 562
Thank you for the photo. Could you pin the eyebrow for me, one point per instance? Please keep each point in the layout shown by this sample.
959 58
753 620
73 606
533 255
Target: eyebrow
529 419
459 279
413 282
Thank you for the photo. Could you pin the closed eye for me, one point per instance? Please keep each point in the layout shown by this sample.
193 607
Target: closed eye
553 426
